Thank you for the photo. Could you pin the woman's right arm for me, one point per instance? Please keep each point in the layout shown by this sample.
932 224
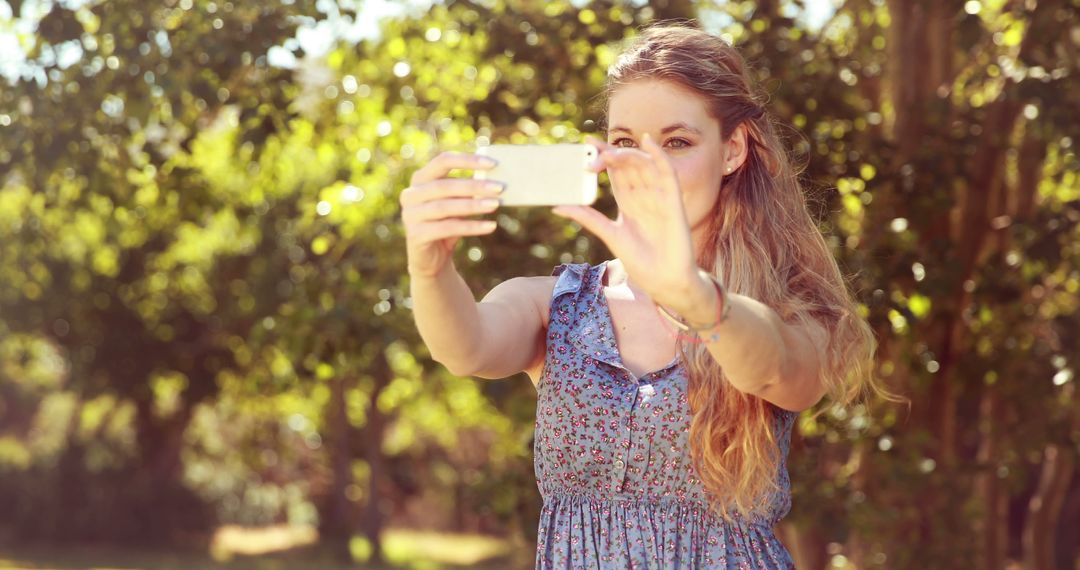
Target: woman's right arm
498 337
495 338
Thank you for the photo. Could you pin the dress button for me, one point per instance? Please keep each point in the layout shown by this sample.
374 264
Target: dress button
619 464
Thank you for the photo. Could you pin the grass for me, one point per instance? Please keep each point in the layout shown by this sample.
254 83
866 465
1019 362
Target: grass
282 548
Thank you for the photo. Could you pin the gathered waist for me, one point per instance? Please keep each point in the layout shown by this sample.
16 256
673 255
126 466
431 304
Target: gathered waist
685 507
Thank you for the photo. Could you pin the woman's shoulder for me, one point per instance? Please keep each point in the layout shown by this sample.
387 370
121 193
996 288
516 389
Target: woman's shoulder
565 277
536 289
541 289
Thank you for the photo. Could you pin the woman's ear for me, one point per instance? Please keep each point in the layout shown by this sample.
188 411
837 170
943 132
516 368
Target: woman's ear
735 149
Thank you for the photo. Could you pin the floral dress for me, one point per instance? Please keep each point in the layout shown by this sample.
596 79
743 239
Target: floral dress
612 460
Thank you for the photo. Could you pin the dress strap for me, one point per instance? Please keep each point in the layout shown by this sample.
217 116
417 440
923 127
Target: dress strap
571 276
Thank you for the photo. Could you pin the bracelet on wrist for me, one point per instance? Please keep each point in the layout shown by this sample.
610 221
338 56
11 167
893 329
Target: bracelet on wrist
722 311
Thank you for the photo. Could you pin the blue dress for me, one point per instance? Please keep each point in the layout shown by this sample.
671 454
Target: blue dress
612 460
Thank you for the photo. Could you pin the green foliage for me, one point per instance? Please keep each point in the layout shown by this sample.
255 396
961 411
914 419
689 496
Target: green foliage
201 260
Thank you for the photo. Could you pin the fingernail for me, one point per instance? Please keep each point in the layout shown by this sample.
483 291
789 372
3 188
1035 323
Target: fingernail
490 203
494 186
488 161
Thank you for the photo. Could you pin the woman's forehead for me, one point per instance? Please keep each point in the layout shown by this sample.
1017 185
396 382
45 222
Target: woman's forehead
654 105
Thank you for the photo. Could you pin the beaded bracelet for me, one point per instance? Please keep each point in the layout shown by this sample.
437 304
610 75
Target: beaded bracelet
725 307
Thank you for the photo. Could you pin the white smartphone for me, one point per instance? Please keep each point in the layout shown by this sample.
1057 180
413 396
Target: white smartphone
542 174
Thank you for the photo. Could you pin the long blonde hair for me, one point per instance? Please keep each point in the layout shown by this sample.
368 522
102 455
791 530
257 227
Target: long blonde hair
762 243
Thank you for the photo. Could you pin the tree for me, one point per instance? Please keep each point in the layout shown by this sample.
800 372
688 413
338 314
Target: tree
116 252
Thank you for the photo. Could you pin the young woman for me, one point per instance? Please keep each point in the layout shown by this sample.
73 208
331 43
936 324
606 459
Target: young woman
668 378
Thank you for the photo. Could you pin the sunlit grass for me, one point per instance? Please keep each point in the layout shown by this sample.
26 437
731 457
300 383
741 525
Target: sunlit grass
231 540
403 546
282 548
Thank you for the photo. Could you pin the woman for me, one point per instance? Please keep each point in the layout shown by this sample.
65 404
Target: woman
668 378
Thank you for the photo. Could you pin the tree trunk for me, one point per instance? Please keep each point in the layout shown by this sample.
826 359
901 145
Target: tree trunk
992 526
373 434
856 548
921 52
1045 508
1017 202
807 546
159 485
336 525
1029 170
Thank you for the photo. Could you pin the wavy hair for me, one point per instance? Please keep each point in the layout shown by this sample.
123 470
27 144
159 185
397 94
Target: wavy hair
762 243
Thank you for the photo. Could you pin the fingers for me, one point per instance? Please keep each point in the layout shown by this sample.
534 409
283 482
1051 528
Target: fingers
617 176
446 161
444 188
591 220
451 208
601 145
635 174
597 164
433 207
661 172
632 169
441 229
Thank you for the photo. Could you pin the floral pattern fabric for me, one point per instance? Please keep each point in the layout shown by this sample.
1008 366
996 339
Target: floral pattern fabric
612 458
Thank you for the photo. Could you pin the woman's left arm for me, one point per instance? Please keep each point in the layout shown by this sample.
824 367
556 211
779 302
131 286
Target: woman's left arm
760 353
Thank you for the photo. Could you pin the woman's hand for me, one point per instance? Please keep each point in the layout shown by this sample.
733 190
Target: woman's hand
651 235
433 209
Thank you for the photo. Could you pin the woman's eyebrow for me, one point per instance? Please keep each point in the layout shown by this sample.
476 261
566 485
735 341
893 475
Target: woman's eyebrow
663 131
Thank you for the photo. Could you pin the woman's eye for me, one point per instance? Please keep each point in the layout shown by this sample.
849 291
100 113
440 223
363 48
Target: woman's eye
673 143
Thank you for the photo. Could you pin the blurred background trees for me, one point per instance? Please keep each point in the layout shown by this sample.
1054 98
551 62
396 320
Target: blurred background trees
204 312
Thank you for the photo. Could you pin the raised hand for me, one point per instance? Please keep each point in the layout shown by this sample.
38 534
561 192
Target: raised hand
651 235
433 209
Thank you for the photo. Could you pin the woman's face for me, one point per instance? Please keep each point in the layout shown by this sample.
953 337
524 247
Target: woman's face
676 118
